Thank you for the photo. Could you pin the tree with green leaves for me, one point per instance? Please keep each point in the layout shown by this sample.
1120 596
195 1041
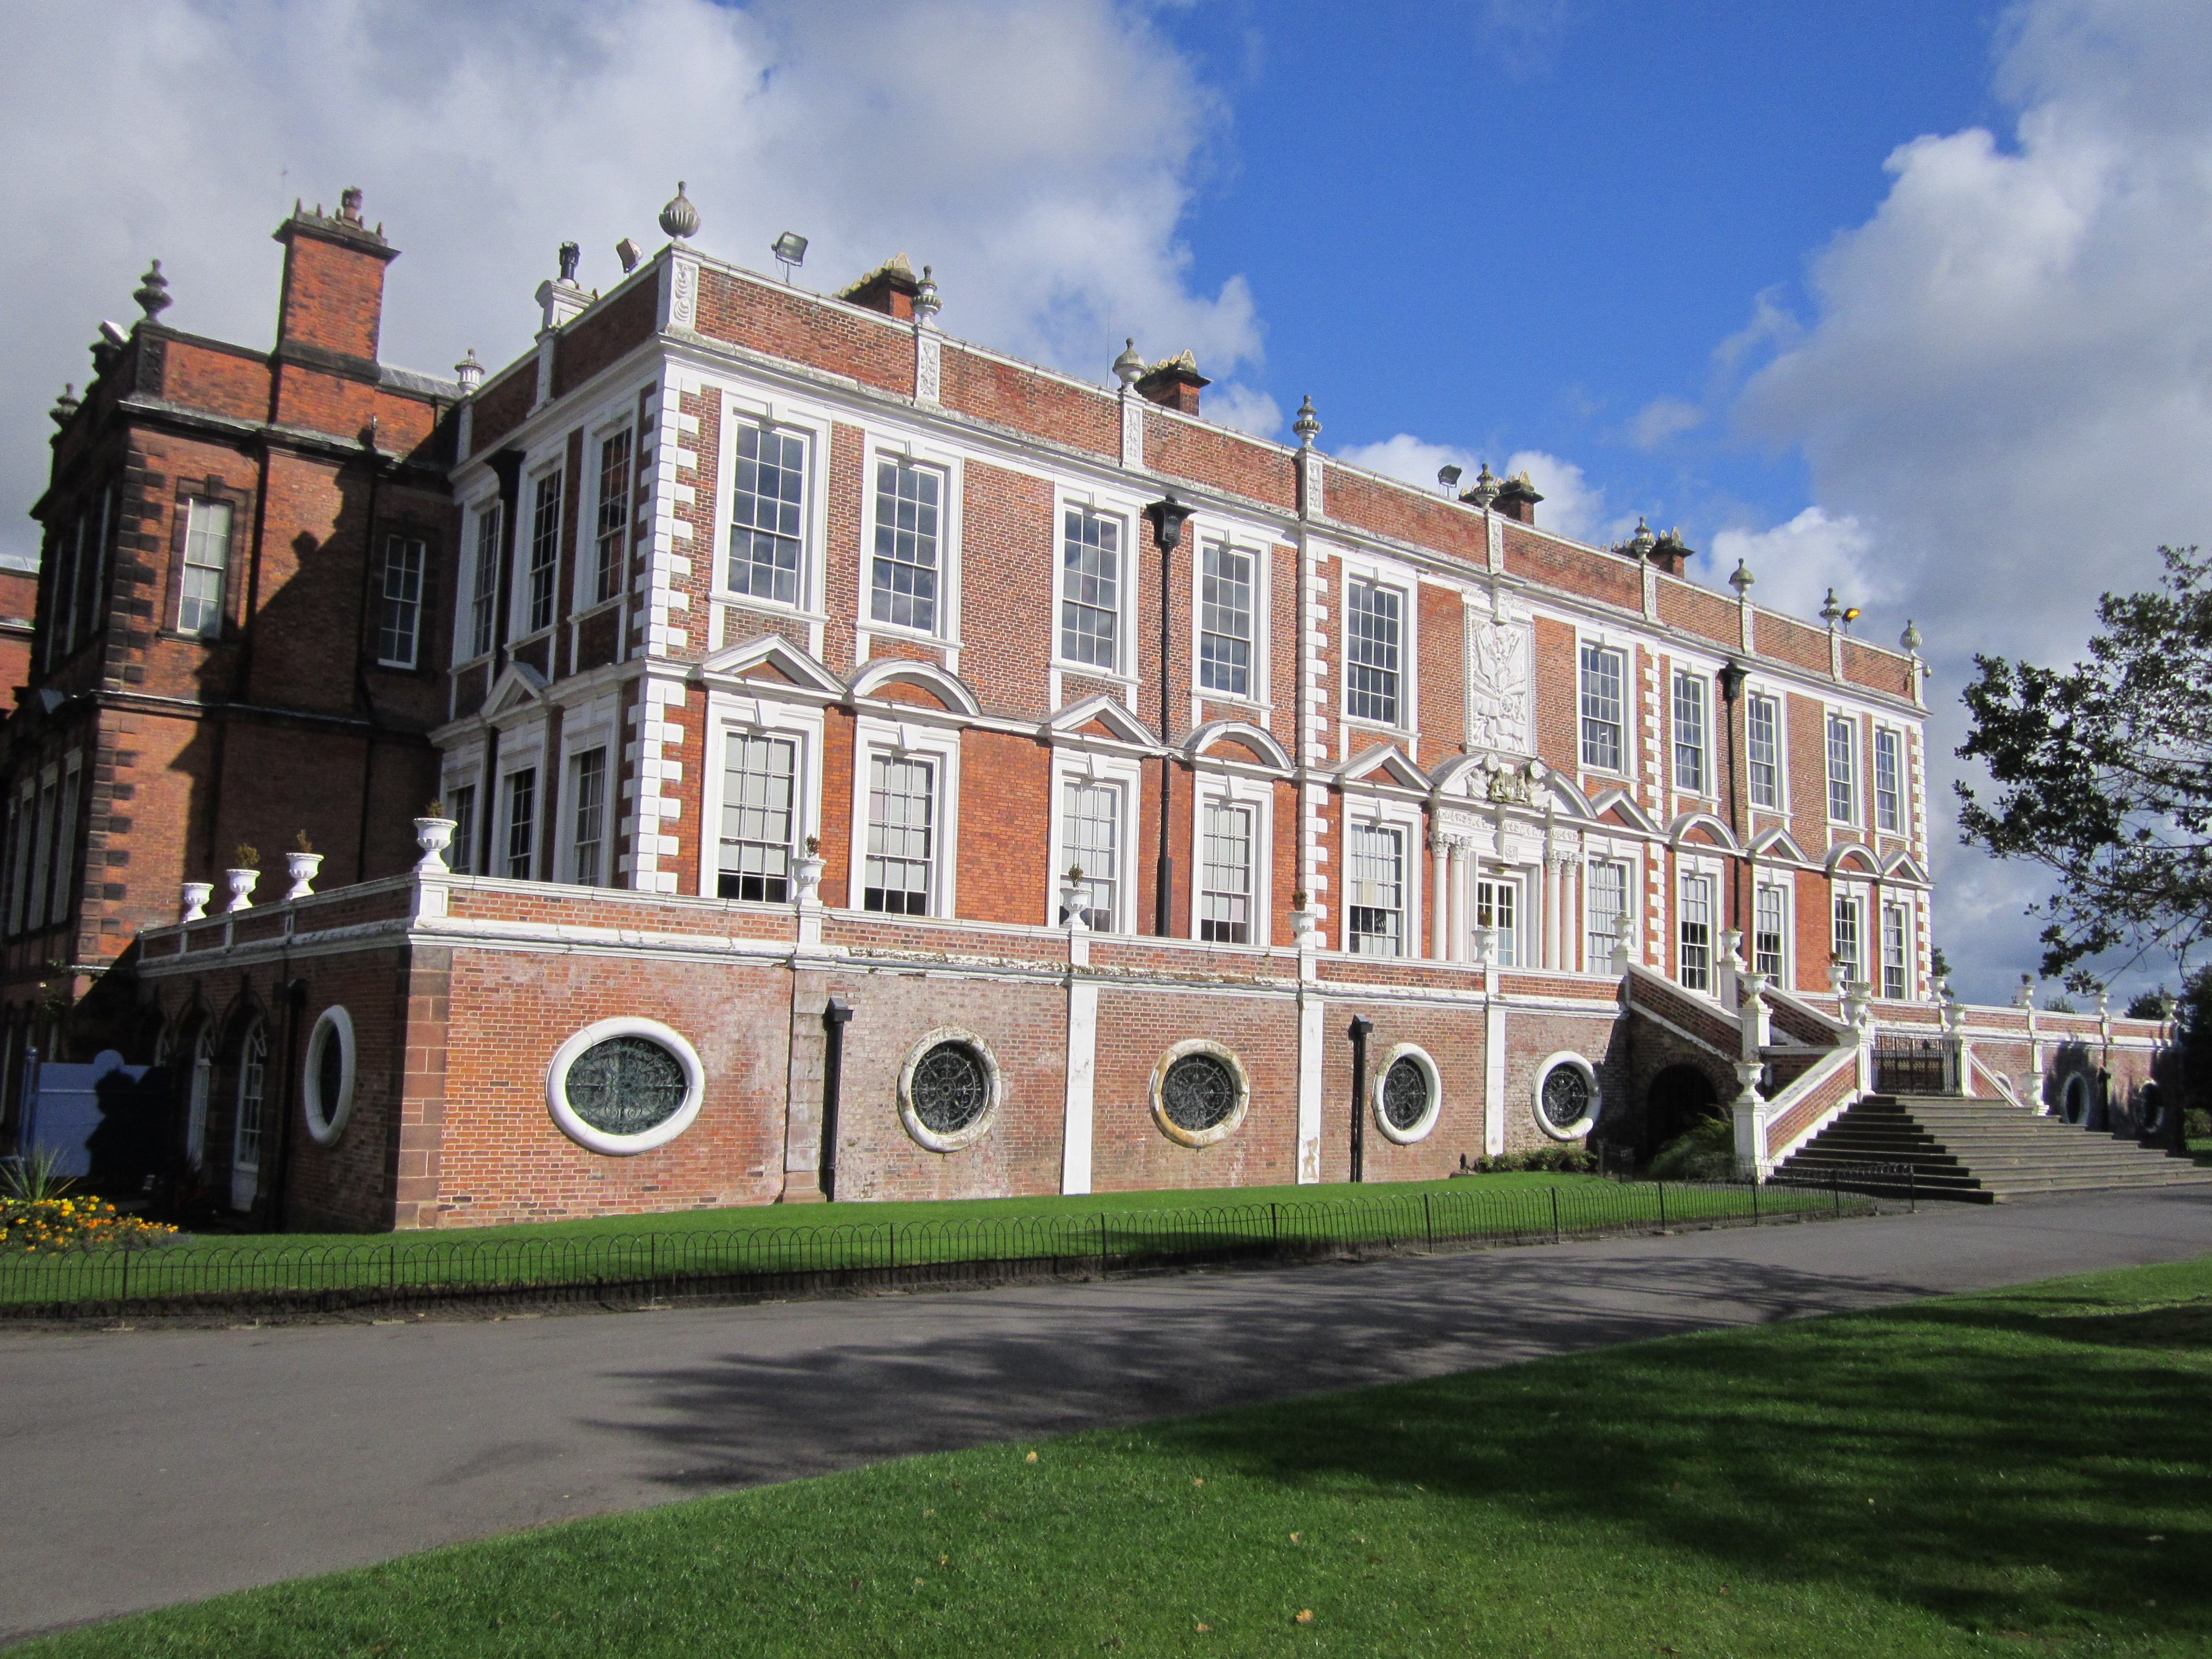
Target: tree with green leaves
2103 773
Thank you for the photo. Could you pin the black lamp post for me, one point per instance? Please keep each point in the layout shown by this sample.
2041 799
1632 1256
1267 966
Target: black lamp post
1361 1025
1169 516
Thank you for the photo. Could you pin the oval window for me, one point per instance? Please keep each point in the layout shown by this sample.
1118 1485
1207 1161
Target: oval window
624 1086
1405 1093
329 1076
950 1089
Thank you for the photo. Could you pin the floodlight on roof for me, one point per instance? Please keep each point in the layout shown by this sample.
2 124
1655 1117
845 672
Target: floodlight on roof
790 251
1449 477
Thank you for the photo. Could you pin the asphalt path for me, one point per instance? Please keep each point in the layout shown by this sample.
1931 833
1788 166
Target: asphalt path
151 1466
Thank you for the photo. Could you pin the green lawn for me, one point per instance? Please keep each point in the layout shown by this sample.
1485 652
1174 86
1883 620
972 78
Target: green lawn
719 1250
2027 1473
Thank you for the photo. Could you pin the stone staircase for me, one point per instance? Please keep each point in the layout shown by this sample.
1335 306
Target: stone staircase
1981 1152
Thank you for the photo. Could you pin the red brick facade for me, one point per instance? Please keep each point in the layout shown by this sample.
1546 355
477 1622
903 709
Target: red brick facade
721 573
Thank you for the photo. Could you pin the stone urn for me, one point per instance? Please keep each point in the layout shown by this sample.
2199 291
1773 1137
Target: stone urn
1305 928
433 837
302 867
808 868
197 895
242 889
1074 900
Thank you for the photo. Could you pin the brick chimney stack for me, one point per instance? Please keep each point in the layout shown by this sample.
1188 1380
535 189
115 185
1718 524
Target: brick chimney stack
1174 384
333 302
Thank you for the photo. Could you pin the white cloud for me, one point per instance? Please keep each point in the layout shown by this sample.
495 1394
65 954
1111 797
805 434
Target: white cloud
1038 155
1661 419
1413 461
1243 407
1572 505
2008 375
1795 564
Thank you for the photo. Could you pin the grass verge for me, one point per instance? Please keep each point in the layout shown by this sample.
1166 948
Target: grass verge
2021 1473
1240 1224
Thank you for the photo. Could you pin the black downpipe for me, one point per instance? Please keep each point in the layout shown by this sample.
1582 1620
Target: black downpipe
1361 1025
833 1018
1167 516
507 465
1732 676
295 999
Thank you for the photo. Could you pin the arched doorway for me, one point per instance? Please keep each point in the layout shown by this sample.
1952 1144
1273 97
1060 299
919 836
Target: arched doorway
1678 1100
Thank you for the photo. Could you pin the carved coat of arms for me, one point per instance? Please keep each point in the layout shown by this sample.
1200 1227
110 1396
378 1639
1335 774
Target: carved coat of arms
1497 686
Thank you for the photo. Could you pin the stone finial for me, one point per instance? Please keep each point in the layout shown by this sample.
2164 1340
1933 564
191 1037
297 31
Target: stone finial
679 218
1910 639
1308 424
469 371
1129 367
1741 579
1643 541
1832 608
153 293
926 302
1484 490
65 407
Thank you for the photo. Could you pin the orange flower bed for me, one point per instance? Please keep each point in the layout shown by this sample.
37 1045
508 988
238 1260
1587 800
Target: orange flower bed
46 1226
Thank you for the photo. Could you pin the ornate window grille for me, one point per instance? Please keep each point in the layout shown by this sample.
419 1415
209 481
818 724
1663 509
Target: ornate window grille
950 1089
626 1086
1405 1093
1199 1092
1565 1098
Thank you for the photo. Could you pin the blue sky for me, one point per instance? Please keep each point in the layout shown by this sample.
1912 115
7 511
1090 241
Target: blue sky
1915 300
1509 233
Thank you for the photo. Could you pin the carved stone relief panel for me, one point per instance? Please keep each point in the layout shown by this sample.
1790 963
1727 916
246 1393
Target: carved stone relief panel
1498 681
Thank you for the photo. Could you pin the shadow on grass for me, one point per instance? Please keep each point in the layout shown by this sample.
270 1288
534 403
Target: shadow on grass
951 1372
2001 1463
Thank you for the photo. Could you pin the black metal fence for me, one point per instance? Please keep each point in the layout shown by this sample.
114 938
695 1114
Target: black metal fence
207 1276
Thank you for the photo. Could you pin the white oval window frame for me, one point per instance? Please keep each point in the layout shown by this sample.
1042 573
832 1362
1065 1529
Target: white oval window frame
1579 1130
1427 1121
599 1141
325 1125
1228 1126
920 1133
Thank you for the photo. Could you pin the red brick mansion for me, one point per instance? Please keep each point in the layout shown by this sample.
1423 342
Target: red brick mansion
757 747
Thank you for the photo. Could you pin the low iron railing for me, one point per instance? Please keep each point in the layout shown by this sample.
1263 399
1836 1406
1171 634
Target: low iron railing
208 1275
